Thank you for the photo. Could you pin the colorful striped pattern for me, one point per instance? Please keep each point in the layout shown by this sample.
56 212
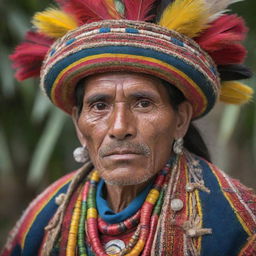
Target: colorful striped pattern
229 210
222 212
250 248
28 234
239 200
130 46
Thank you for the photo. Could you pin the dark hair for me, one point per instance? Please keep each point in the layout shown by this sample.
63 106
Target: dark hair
79 95
193 140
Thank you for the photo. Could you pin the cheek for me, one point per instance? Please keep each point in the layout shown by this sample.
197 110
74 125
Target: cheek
159 131
93 132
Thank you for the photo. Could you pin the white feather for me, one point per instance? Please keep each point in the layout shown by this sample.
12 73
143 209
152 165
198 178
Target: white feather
218 7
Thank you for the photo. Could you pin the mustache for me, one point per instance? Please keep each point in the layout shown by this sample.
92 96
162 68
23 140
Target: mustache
136 148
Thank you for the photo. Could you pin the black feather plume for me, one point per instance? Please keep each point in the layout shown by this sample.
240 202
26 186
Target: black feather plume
234 72
161 5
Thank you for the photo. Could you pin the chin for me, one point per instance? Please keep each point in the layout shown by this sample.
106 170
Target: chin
121 178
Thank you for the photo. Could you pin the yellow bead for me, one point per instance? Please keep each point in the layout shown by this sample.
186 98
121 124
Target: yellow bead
152 196
92 213
73 230
95 176
137 248
154 192
70 252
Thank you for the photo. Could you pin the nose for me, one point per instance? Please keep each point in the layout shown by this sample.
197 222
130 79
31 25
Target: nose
122 124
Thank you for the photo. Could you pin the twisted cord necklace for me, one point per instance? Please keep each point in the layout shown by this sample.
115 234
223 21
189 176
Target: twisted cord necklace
86 223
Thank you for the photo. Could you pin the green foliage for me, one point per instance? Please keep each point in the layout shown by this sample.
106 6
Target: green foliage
31 128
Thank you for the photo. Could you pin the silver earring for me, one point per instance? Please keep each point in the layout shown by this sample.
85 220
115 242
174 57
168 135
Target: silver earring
178 146
81 154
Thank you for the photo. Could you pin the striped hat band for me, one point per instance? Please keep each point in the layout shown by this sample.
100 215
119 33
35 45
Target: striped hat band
135 46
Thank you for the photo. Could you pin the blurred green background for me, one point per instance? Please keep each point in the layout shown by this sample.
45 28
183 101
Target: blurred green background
37 140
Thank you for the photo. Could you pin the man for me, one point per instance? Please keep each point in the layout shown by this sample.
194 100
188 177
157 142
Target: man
133 88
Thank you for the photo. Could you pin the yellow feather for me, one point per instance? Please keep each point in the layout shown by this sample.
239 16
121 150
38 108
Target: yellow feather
234 92
188 17
54 23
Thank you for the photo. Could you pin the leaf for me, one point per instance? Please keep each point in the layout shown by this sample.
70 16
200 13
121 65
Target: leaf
5 157
41 107
17 22
7 80
228 123
45 147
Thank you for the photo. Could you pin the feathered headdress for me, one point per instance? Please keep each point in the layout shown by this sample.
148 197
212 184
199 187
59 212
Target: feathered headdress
218 34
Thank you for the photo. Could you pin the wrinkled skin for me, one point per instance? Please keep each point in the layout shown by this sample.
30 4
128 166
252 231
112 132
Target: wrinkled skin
128 126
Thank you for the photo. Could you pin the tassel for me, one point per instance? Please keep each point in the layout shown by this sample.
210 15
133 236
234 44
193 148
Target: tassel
28 56
54 23
234 72
216 8
188 17
139 9
86 11
222 39
235 92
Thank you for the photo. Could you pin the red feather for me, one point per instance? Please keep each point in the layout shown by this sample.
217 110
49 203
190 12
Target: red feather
223 39
86 11
139 9
29 55
110 5
231 54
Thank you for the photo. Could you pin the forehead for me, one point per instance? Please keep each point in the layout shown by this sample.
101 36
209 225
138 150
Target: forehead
127 82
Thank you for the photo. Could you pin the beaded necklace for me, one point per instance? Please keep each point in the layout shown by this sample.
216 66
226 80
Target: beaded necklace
85 221
119 228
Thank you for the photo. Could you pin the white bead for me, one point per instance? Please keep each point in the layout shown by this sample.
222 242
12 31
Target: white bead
191 232
114 246
176 205
190 187
60 198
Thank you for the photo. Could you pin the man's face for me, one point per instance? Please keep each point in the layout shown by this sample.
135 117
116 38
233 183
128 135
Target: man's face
128 126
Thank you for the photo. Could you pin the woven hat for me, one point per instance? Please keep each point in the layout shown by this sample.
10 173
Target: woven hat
191 44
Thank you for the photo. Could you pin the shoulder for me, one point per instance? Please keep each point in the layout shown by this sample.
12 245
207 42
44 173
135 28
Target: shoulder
239 196
229 209
25 238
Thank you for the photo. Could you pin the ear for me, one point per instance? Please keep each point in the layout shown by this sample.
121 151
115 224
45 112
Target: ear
75 118
184 115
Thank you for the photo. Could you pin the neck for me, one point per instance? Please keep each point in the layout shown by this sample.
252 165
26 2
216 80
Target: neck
119 197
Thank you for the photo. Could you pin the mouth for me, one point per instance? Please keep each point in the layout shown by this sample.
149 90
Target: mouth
123 152
122 156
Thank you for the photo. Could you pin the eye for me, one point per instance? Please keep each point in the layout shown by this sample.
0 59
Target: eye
99 106
144 104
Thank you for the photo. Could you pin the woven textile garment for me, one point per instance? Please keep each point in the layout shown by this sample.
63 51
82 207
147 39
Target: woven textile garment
224 206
